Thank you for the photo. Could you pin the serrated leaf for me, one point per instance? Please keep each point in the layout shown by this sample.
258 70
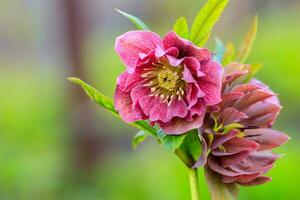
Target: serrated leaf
108 104
136 21
229 55
218 189
139 138
190 148
170 142
206 19
181 27
247 44
219 49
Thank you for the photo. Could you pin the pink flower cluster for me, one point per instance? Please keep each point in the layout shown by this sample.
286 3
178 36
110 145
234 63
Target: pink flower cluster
178 86
242 153
168 81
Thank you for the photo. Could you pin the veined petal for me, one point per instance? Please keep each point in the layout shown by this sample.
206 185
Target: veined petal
124 106
257 181
131 44
179 126
231 115
211 83
267 138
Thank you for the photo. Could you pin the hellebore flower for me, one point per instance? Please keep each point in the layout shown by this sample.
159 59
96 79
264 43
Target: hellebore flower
168 81
237 132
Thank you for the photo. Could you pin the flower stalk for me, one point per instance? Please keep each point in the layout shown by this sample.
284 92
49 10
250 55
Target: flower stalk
194 184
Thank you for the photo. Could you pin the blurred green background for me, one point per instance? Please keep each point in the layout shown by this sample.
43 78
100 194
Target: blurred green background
56 144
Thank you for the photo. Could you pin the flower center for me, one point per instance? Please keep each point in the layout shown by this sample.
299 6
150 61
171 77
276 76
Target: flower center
165 81
168 79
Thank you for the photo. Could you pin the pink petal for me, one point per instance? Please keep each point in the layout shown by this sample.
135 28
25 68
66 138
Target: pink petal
215 166
193 94
229 99
258 162
124 106
266 138
202 160
186 47
179 126
177 109
245 178
211 83
264 121
237 145
231 115
252 98
262 108
187 75
226 161
194 66
131 44
245 88
159 52
174 61
173 40
220 139
257 181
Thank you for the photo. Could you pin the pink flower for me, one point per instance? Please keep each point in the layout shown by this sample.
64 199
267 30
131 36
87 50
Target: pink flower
241 154
168 81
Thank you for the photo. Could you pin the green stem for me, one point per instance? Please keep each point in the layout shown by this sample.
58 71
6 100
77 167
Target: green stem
194 184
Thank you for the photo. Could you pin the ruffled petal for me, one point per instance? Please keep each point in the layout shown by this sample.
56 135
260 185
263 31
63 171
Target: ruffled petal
258 181
124 106
211 83
179 126
231 115
130 45
202 160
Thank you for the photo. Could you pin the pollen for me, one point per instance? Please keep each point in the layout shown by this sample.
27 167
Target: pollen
165 81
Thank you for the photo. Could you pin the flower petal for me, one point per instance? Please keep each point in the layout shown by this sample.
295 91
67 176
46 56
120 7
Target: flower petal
266 138
236 145
252 98
194 66
245 178
131 44
179 126
211 83
257 181
202 160
215 166
124 106
220 139
231 115
226 161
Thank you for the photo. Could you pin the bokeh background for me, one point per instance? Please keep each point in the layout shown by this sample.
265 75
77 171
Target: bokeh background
57 144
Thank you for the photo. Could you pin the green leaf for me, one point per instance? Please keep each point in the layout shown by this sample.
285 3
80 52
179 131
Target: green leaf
170 142
229 55
181 27
247 44
203 41
136 21
139 138
218 189
206 19
95 95
108 104
190 148
219 49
